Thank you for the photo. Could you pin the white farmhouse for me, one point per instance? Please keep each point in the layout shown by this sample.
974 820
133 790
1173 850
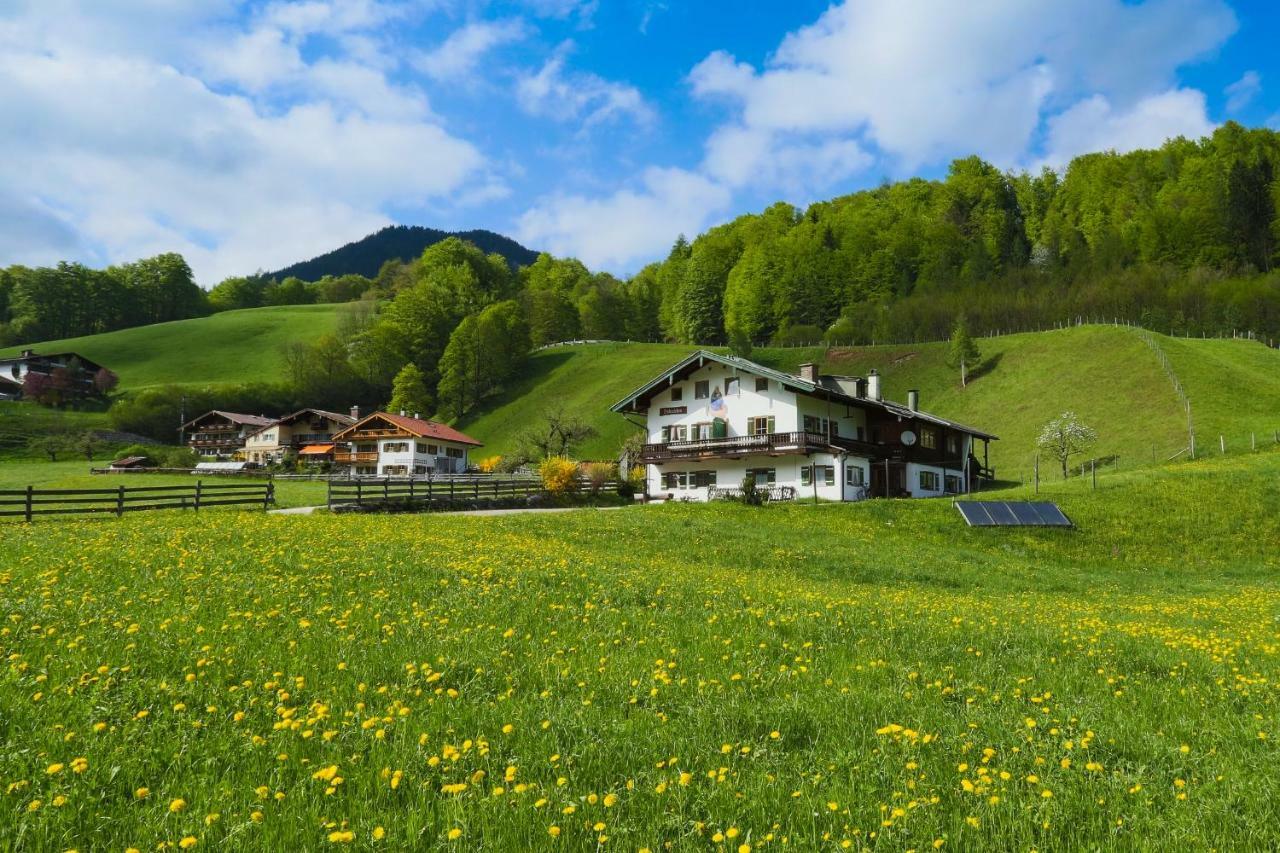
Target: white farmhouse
387 445
712 420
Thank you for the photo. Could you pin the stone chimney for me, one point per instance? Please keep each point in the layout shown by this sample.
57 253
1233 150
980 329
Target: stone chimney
873 385
913 400
809 372
355 412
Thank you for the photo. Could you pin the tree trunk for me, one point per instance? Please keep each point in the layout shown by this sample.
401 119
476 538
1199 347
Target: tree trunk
1063 459
964 375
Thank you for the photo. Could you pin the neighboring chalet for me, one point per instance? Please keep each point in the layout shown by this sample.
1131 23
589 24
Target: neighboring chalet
387 445
219 433
77 372
714 419
306 434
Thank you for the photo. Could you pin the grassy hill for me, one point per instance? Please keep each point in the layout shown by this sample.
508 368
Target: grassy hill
234 346
1107 375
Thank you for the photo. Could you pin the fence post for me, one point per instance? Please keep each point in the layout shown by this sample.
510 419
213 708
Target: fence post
269 496
451 482
410 490
386 489
197 495
120 501
29 490
476 483
1222 443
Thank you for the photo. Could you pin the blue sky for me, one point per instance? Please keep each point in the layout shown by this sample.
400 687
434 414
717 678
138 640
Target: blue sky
252 134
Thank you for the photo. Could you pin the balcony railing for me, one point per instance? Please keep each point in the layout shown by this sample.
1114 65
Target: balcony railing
344 457
770 444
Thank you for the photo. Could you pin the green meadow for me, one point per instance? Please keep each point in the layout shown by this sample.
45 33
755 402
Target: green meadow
873 676
226 348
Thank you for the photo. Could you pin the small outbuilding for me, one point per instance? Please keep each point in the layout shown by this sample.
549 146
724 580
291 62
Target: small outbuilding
131 462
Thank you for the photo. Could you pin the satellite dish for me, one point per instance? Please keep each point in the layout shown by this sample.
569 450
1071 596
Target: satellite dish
908 437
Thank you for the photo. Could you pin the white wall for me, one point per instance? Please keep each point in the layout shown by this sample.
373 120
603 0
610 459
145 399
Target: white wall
746 403
730 473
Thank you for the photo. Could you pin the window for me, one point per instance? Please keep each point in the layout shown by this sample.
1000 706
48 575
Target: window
421 448
763 476
432 450
826 475
760 426
701 389
454 452
703 479
394 470
673 433
701 432
730 385
762 384
677 393
818 425
395 447
675 479
366 448
953 445
861 434
929 438
854 476
419 469
953 484
929 481
366 470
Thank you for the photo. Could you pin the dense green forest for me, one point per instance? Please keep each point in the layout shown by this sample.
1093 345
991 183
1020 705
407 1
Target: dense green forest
1181 239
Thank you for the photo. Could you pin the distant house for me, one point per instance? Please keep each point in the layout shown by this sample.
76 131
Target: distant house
306 434
128 462
68 372
713 420
387 445
219 433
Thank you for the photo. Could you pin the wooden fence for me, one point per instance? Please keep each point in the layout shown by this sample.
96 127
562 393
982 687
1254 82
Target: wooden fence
30 502
388 490
393 490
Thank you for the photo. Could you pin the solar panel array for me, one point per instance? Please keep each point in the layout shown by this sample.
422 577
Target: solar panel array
1012 514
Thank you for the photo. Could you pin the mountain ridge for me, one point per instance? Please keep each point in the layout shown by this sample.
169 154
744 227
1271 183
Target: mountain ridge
406 242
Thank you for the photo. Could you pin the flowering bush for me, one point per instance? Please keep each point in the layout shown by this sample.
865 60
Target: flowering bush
599 473
559 475
489 464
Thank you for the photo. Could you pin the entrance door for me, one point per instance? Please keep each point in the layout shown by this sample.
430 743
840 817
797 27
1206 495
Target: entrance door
890 483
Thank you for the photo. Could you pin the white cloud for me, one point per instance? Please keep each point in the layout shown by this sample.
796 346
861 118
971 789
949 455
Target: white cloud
739 156
1242 92
629 225
1095 124
462 50
565 95
118 150
933 79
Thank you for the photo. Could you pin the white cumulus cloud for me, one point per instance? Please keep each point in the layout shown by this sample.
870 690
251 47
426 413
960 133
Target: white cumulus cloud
566 95
462 51
631 224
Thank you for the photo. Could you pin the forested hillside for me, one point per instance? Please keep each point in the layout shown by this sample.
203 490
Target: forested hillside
398 242
1182 239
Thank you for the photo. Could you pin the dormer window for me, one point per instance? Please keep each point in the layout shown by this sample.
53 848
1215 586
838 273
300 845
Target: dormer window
701 389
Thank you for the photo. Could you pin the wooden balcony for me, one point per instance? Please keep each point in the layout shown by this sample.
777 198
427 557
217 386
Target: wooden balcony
345 457
769 444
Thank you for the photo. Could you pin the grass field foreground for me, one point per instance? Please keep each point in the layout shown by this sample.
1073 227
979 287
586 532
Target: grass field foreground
875 676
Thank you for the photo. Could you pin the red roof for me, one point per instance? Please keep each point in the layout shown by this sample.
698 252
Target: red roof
419 427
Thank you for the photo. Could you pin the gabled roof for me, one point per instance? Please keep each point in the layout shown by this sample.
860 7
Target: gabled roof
293 416
788 380
234 417
414 426
697 359
87 363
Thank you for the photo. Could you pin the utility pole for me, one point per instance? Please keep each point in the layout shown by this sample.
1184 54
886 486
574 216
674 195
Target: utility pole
182 419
